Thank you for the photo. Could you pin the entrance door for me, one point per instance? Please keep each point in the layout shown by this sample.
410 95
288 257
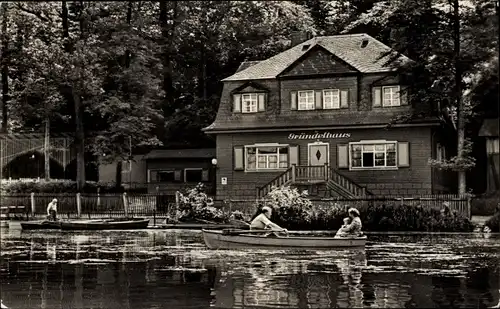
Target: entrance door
318 157
319 154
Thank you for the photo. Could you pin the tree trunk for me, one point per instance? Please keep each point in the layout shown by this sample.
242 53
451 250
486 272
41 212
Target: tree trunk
119 164
46 149
77 104
462 186
118 176
5 69
167 35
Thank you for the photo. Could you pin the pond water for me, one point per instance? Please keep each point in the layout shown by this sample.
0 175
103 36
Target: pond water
173 269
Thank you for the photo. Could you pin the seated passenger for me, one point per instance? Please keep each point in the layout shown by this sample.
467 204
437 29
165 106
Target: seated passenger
342 231
353 229
261 221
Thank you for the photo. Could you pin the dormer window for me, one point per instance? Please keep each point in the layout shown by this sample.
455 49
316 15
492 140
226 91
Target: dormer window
249 103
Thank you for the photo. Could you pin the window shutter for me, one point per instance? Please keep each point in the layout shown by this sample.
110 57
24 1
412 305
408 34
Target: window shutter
403 96
237 103
204 175
177 175
343 156
293 100
153 176
344 98
238 158
403 154
261 97
293 154
318 100
377 96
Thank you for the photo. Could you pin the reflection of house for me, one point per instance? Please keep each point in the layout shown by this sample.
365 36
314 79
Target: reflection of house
165 171
490 130
316 115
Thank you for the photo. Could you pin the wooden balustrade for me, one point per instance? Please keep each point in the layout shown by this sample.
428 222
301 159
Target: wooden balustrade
314 174
347 184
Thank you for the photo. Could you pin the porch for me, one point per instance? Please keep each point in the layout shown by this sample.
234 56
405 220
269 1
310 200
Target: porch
335 183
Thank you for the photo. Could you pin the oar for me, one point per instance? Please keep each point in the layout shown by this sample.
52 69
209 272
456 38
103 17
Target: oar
239 232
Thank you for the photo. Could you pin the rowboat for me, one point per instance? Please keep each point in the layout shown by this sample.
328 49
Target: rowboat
232 239
106 224
40 225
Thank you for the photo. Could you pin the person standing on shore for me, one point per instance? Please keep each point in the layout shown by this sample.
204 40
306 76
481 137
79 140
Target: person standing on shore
52 210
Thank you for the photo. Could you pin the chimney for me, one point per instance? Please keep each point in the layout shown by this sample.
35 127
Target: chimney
298 37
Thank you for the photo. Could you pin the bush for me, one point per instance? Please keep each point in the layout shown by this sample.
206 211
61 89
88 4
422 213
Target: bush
413 218
195 204
291 208
485 205
494 222
55 186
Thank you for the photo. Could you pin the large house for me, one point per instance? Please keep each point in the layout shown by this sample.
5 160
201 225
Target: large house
316 116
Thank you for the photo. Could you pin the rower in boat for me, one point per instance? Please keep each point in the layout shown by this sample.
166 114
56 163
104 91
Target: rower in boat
52 210
262 222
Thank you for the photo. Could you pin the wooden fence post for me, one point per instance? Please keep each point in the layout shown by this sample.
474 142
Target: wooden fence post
78 204
125 203
98 197
33 208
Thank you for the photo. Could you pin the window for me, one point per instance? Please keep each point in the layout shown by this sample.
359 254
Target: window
266 157
331 99
390 96
165 176
193 175
249 103
373 155
306 100
440 152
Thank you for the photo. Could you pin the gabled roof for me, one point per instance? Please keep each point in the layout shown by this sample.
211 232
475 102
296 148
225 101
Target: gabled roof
246 64
347 47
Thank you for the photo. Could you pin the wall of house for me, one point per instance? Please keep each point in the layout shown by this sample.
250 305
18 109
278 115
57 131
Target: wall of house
416 179
137 174
179 164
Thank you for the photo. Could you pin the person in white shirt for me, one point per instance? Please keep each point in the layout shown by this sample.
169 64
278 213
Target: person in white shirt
262 221
52 210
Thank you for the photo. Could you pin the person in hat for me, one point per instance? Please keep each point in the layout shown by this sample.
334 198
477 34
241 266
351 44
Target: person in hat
52 210
352 229
262 221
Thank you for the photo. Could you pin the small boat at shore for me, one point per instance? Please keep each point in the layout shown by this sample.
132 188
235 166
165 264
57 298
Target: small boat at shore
233 239
106 224
41 225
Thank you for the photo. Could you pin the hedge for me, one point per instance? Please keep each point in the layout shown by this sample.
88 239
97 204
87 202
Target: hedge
55 186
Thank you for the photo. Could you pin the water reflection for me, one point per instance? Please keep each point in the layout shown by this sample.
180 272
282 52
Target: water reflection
173 269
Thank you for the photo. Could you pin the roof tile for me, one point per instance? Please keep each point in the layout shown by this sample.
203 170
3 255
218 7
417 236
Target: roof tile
369 59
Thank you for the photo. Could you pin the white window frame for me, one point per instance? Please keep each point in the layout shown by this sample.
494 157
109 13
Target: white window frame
160 170
307 103
374 143
257 169
249 103
193 169
331 96
392 101
126 166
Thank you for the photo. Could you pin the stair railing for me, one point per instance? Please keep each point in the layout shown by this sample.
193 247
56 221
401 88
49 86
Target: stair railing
348 184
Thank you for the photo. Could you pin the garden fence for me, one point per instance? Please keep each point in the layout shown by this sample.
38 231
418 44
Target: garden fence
119 205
